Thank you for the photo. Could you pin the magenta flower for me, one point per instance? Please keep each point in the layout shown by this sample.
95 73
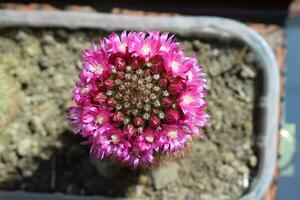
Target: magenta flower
138 97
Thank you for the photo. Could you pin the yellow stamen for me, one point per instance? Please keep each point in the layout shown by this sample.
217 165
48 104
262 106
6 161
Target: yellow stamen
146 49
175 66
115 139
99 120
173 134
85 89
99 69
188 99
123 47
149 138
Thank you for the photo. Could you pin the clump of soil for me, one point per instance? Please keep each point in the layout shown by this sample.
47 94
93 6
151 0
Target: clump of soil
41 154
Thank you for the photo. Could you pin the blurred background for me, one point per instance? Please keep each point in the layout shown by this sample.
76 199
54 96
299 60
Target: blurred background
278 21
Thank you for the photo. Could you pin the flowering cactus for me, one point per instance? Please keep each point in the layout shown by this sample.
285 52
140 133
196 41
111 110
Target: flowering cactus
138 97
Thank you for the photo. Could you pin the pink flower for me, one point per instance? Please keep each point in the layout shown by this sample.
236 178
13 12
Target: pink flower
138 158
88 120
172 116
174 138
138 97
176 87
175 63
189 101
148 140
111 142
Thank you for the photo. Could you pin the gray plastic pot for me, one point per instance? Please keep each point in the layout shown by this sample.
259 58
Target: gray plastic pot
222 29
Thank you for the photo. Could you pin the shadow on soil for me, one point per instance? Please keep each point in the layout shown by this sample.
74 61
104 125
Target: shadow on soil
70 171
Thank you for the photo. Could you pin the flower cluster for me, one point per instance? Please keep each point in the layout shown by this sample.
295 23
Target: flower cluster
138 97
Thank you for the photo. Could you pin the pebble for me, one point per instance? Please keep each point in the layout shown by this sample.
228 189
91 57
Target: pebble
10 157
38 126
247 72
197 44
135 191
24 147
228 157
227 173
164 175
21 36
215 69
59 80
253 161
143 179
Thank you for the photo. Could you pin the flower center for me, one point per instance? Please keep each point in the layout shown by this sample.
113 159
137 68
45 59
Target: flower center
146 49
190 75
123 47
85 89
99 120
175 66
99 69
149 138
115 139
172 134
188 99
162 48
137 93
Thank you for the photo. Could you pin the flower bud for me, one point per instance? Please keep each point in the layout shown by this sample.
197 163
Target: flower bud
154 110
157 64
154 121
175 88
147 72
163 82
109 84
121 75
172 116
120 63
137 62
118 117
131 130
117 59
138 121
111 102
166 102
100 98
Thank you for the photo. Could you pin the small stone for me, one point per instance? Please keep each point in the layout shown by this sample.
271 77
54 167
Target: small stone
27 173
143 179
38 126
215 69
247 72
48 39
59 80
206 197
228 157
253 161
227 173
24 147
21 35
10 157
164 175
197 44
215 52
135 191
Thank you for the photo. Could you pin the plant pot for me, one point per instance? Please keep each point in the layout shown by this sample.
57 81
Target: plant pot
212 30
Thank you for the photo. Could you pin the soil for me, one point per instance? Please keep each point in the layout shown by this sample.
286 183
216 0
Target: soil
39 152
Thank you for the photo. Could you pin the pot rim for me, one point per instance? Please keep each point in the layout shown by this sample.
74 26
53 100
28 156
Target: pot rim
223 28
